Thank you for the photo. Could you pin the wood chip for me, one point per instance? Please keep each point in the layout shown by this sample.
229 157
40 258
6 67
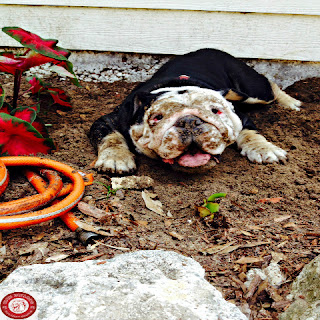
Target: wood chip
270 200
280 305
273 294
240 283
254 284
132 182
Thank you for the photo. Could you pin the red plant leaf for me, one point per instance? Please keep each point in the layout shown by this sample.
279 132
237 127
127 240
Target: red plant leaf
36 85
28 114
46 47
6 108
59 96
18 137
8 63
40 127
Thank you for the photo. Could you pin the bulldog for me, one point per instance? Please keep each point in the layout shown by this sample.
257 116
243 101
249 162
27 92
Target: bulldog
187 114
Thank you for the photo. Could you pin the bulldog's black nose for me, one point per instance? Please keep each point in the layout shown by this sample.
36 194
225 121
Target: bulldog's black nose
188 122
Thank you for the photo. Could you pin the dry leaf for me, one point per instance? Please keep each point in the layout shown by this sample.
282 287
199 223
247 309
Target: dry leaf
176 235
220 248
278 256
39 236
89 227
61 113
255 228
290 225
271 200
153 205
282 218
142 223
92 211
168 223
41 246
3 251
246 233
57 257
246 260
255 244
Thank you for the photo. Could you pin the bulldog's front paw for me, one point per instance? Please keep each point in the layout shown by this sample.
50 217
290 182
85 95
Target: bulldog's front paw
114 155
257 149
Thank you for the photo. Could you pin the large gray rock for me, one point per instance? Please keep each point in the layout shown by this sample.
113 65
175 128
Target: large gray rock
305 294
143 285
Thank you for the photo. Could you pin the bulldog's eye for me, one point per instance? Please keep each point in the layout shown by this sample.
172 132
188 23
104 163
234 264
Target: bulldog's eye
155 119
216 111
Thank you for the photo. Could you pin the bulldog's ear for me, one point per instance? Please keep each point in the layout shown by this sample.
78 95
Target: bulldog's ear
143 99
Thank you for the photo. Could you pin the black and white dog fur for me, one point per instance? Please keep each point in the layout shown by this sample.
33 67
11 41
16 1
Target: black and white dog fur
187 114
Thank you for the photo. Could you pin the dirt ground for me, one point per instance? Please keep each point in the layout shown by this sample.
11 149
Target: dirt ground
256 230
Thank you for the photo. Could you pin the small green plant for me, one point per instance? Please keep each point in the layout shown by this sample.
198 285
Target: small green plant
110 191
209 206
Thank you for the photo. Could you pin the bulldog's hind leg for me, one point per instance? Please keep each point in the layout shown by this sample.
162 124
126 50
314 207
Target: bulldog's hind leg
284 99
258 149
114 155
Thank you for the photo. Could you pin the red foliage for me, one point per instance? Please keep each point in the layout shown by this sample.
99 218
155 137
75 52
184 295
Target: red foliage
59 97
20 138
8 63
32 41
36 85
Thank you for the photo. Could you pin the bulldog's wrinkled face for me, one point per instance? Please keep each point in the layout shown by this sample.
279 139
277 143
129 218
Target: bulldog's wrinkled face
187 126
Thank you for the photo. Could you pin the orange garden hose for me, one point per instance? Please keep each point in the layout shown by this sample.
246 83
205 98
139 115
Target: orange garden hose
36 201
57 209
41 186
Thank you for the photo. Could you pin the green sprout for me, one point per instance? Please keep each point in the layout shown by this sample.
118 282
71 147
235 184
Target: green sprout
209 208
109 188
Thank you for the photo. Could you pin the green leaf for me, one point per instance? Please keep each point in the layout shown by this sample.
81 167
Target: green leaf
204 212
215 196
213 207
1 96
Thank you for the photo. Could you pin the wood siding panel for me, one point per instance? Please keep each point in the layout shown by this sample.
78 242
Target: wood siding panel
310 7
251 35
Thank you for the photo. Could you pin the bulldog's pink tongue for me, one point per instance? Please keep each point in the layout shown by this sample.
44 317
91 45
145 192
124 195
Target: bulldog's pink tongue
194 160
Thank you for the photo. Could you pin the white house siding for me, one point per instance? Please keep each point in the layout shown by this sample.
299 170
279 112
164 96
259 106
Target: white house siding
276 29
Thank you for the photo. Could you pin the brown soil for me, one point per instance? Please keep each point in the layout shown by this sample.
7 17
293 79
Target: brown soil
289 228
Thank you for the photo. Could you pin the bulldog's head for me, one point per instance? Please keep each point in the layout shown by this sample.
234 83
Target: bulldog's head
187 127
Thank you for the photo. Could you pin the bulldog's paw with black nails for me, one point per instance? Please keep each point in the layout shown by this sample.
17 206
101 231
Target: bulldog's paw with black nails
257 149
117 161
114 155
